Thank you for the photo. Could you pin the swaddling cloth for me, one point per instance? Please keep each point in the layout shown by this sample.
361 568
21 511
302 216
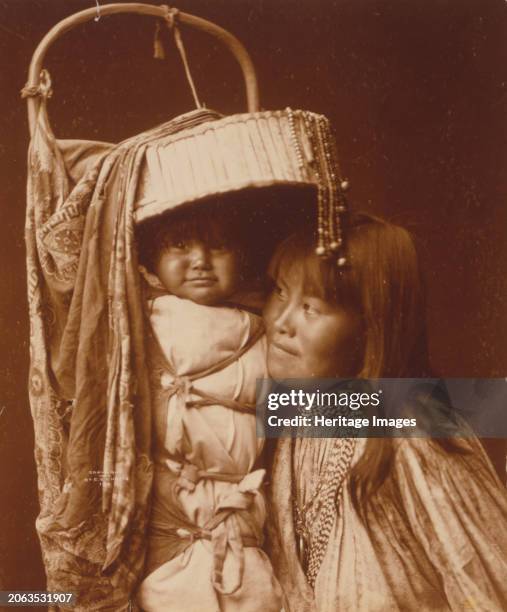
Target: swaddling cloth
208 510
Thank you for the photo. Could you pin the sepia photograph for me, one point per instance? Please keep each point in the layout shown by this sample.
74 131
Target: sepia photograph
254 306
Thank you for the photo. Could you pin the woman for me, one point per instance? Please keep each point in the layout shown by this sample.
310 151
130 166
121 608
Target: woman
377 524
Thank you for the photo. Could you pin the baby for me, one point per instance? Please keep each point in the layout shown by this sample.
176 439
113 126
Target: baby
205 355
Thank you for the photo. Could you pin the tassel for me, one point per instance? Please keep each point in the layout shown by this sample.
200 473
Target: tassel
158 46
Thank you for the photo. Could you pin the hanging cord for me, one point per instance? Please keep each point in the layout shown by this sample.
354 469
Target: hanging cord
171 16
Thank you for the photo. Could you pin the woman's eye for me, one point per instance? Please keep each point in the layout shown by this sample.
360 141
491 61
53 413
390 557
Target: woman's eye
310 309
279 292
179 245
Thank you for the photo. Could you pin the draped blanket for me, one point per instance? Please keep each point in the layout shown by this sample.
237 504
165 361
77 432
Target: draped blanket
433 538
89 388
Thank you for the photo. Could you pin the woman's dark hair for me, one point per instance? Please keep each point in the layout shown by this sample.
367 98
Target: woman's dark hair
381 282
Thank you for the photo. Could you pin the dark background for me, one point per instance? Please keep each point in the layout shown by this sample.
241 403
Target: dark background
416 91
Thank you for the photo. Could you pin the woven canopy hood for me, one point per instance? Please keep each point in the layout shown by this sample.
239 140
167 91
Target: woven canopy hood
219 155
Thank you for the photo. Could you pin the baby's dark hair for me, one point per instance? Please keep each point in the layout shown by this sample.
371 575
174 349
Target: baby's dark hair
250 221
212 223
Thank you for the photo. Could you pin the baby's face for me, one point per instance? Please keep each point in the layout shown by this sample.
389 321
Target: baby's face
195 271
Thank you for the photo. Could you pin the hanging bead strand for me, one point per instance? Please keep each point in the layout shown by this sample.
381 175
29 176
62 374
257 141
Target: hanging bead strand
334 227
295 141
311 126
341 204
320 165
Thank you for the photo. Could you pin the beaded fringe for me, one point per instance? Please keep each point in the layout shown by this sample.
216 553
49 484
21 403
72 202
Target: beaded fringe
332 204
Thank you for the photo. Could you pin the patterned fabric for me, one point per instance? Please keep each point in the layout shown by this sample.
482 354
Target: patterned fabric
89 388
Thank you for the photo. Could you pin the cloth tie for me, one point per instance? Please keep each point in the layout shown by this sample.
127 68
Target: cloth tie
183 389
223 530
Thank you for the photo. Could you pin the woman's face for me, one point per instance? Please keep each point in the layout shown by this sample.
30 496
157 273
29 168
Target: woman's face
307 336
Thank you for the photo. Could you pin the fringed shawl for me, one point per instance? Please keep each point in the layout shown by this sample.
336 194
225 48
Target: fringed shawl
89 391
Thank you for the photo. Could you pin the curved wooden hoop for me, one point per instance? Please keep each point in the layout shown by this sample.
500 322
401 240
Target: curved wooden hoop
230 41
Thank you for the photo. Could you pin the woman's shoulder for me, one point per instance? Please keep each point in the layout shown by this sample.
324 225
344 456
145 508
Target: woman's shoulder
438 453
458 465
454 502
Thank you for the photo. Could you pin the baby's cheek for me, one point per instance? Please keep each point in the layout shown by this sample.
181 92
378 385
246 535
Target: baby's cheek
229 278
